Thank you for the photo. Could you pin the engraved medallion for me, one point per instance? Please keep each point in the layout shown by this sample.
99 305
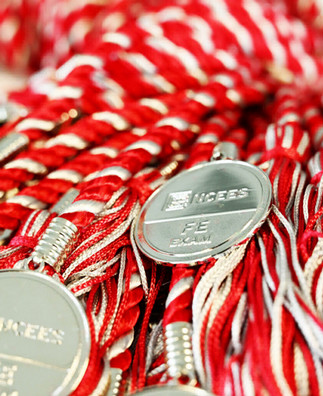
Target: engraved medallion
174 390
44 336
203 211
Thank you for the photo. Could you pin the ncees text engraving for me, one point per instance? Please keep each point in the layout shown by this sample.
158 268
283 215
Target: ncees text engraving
183 199
31 331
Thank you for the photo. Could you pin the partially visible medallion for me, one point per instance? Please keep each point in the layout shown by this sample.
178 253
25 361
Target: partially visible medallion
44 336
203 211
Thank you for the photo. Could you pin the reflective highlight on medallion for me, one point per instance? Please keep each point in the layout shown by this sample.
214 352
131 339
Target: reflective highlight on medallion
203 212
44 336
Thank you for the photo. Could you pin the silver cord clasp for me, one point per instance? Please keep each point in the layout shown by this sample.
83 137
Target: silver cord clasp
179 352
55 243
224 150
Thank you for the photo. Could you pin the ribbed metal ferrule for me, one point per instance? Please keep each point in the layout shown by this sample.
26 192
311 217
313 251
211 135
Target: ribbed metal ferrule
55 243
115 388
65 201
179 354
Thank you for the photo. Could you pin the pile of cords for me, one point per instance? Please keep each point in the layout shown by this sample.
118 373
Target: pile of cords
121 96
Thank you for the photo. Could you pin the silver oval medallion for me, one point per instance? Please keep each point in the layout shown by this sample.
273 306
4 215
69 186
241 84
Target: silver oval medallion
44 336
203 211
176 390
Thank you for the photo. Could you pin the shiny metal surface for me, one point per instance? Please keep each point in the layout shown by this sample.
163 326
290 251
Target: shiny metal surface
225 150
203 211
178 350
65 201
115 382
44 336
55 242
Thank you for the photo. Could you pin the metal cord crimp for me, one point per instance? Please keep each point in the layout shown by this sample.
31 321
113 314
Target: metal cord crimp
55 243
179 354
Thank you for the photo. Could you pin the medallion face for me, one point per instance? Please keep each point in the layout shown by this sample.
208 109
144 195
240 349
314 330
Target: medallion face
203 211
44 336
